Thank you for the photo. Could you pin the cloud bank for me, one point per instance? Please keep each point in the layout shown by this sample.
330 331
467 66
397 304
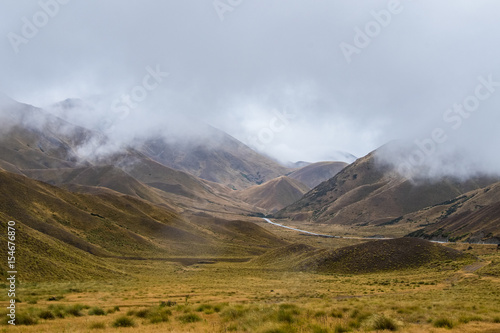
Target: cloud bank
240 65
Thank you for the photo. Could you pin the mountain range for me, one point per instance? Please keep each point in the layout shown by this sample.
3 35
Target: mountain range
371 192
77 199
62 231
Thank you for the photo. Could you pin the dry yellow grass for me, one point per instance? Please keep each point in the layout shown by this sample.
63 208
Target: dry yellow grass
238 297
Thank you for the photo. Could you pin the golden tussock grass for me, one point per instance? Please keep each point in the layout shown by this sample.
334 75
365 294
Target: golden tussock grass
238 297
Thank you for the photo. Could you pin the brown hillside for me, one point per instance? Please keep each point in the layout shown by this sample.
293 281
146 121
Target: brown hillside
201 150
314 174
216 157
136 175
472 217
368 192
274 194
47 148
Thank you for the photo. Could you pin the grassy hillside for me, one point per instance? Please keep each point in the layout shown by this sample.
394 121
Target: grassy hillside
369 257
31 138
41 257
47 148
65 225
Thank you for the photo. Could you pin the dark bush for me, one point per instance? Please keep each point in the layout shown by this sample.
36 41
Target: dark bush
124 321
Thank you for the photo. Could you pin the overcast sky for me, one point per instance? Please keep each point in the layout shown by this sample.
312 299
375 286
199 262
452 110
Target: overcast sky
297 80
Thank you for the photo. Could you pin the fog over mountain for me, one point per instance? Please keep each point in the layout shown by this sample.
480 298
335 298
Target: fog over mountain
296 80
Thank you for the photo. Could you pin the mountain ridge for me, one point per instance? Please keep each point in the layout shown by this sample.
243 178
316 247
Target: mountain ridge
369 192
315 173
111 225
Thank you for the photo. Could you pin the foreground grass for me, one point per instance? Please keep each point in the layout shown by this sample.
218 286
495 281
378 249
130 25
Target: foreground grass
237 297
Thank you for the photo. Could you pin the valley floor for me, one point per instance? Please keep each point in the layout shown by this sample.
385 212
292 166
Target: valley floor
240 297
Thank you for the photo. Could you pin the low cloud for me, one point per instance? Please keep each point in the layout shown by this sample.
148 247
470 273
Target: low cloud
263 58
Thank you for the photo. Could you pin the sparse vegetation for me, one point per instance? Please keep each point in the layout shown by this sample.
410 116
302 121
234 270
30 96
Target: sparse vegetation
124 321
444 323
339 328
96 311
384 323
304 302
189 318
76 310
97 325
46 314
239 297
24 318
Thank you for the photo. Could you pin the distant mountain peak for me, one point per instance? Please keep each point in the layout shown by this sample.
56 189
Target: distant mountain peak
6 100
70 103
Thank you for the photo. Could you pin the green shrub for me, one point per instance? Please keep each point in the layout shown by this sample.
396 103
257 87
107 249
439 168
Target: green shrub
23 318
232 328
46 314
124 321
155 315
284 329
203 307
340 329
285 316
355 313
319 314
218 307
336 314
384 323
159 317
444 323
143 313
357 318
233 313
319 329
189 318
95 311
58 310
76 310
467 319
287 312
98 325
291 307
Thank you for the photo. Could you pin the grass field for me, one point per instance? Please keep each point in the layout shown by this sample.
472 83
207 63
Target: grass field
240 297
